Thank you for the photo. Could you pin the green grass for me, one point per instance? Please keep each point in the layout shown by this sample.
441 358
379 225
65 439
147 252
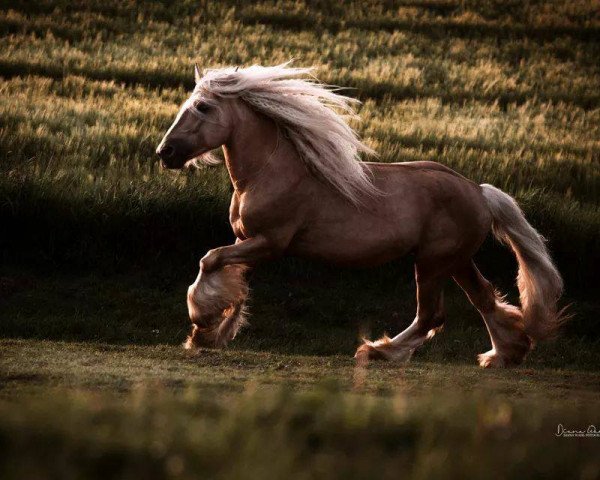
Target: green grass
97 245
241 414
286 398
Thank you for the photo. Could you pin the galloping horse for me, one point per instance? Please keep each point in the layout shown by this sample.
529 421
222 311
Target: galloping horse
301 189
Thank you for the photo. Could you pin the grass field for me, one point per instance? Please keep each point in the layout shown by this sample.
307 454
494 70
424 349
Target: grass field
97 245
97 410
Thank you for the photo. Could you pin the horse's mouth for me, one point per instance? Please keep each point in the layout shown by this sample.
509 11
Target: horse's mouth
187 162
196 158
205 157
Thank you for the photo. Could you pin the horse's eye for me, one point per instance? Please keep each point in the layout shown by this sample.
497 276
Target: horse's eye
202 107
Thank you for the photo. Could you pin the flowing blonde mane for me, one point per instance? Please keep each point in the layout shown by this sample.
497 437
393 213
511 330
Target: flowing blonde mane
311 115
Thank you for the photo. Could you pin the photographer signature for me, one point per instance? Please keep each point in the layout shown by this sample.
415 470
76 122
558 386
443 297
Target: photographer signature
591 431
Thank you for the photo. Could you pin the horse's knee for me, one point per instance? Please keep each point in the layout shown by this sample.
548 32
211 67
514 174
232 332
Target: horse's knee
485 298
488 302
480 291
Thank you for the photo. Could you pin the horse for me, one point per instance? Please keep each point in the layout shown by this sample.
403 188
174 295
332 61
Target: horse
300 188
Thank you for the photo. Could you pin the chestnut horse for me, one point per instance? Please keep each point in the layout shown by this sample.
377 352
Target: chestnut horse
301 189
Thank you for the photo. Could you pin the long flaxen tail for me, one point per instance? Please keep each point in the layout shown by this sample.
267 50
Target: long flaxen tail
539 282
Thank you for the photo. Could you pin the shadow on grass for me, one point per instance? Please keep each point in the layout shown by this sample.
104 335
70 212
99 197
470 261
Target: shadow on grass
296 309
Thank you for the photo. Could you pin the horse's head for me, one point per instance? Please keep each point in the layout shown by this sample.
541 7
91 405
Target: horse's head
202 124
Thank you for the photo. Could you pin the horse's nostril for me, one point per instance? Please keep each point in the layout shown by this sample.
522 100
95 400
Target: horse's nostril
166 151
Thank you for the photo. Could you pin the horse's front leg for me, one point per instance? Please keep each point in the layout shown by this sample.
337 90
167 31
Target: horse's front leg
249 251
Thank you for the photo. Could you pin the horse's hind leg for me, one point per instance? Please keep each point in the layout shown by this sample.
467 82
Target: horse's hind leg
430 318
504 322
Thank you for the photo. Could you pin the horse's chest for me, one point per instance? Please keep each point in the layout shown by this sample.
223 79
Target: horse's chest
235 219
245 221
265 212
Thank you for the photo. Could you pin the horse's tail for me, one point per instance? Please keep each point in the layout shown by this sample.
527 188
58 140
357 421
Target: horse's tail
540 284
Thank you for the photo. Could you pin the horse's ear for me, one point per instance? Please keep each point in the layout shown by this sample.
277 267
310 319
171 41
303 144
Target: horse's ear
197 73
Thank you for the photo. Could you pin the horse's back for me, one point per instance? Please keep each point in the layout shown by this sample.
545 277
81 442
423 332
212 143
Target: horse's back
416 166
444 202
427 182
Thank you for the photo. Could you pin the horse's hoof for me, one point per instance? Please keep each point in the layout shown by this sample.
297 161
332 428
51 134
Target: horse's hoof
491 360
494 359
191 346
368 352
433 332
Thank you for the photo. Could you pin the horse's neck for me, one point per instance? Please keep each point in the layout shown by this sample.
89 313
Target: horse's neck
257 150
